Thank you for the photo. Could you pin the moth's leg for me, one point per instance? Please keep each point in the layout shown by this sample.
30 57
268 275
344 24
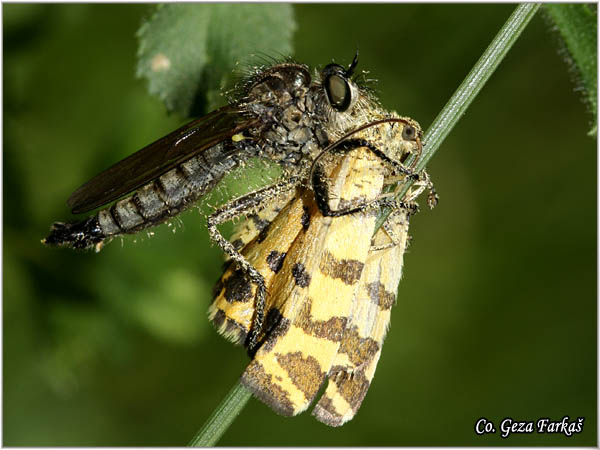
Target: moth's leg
391 232
423 183
247 204
419 187
432 196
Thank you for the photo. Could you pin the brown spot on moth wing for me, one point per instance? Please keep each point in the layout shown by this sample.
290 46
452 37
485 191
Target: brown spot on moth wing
285 370
297 354
232 310
360 349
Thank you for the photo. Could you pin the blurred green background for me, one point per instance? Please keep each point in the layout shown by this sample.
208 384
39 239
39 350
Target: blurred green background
496 314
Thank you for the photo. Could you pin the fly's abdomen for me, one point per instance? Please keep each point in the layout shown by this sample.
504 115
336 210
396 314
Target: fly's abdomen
152 204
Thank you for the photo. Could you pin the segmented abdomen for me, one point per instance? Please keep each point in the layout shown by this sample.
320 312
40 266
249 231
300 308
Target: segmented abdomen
167 196
152 204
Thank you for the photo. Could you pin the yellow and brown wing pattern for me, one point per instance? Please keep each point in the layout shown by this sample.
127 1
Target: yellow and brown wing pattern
312 267
360 348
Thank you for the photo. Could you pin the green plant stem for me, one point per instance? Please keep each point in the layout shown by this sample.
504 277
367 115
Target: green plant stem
237 398
468 90
222 417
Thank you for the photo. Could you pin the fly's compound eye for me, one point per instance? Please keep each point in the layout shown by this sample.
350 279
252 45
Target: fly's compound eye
409 133
339 90
339 93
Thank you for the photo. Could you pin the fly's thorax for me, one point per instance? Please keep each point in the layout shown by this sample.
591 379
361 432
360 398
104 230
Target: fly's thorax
275 90
278 97
279 83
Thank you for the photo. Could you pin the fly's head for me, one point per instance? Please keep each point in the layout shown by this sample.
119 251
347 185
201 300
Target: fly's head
341 103
341 91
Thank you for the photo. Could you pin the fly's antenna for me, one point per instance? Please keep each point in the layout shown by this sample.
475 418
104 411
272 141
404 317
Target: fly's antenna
353 64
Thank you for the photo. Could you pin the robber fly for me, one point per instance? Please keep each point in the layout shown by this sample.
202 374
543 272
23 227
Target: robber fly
283 114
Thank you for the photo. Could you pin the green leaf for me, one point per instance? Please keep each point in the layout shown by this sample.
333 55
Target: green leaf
577 25
187 51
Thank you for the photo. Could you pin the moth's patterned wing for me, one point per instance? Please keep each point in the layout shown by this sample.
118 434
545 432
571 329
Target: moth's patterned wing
312 296
232 310
360 348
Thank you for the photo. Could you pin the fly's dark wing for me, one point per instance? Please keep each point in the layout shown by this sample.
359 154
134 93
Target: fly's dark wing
158 157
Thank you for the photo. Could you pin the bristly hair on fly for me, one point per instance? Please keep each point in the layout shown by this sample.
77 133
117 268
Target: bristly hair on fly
368 85
246 73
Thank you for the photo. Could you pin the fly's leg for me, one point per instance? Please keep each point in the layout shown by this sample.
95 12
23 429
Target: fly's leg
321 191
382 202
422 182
248 204
398 168
321 188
